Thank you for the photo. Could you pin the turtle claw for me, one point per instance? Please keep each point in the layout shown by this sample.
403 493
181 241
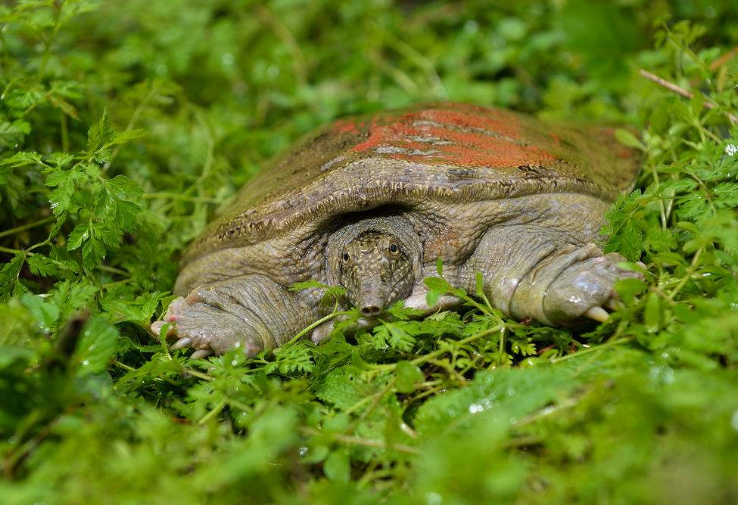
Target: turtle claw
322 332
598 314
201 353
585 289
158 325
181 343
419 302
207 327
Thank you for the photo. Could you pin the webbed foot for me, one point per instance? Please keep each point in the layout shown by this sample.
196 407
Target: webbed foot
251 313
206 328
585 289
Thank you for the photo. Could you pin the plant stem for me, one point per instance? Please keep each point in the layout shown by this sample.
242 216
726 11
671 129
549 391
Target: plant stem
578 354
17 229
209 157
175 196
681 91
197 374
662 208
439 352
377 398
64 132
317 323
214 412
365 442
725 58
9 250
112 270
690 270
50 41
131 123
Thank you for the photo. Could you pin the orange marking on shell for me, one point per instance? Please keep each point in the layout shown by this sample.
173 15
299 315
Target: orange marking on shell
506 124
345 126
382 135
463 139
480 150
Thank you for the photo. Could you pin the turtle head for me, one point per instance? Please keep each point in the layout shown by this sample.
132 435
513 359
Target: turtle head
376 269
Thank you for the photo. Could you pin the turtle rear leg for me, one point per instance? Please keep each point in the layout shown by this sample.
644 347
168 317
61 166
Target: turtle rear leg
251 312
536 273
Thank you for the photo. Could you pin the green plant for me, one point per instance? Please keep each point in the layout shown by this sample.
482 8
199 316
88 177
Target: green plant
125 125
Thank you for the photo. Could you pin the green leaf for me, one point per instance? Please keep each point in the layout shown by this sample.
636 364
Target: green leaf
66 192
343 388
59 160
630 288
653 312
627 138
408 376
291 359
139 310
402 313
78 236
9 275
45 313
437 287
100 133
43 266
669 258
396 335
690 227
624 229
310 284
22 159
93 252
127 136
330 293
511 393
125 188
337 467
96 347
12 133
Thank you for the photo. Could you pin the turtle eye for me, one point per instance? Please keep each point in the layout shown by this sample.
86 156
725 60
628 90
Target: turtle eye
393 249
346 257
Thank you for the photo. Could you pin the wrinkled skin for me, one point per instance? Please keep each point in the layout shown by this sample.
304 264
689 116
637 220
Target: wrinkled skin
376 271
484 190
529 273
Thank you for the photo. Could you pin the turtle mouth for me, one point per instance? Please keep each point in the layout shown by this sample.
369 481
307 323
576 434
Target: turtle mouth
367 322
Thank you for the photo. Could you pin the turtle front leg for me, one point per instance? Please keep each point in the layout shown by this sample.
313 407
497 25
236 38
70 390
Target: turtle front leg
251 312
535 273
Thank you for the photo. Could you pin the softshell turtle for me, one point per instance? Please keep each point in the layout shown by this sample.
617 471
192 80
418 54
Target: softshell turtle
371 204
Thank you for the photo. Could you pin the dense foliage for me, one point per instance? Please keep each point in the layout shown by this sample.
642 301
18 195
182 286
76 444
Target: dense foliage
125 125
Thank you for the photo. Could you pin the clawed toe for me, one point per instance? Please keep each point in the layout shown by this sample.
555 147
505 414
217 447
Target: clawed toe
220 317
201 353
598 314
601 315
181 343
157 326
585 290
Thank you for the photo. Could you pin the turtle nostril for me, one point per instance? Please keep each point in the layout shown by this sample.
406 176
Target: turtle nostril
370 310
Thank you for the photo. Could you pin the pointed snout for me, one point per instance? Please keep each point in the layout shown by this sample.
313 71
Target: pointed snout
371 306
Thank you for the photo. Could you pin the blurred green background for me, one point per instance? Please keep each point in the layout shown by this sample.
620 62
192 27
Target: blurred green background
126 124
